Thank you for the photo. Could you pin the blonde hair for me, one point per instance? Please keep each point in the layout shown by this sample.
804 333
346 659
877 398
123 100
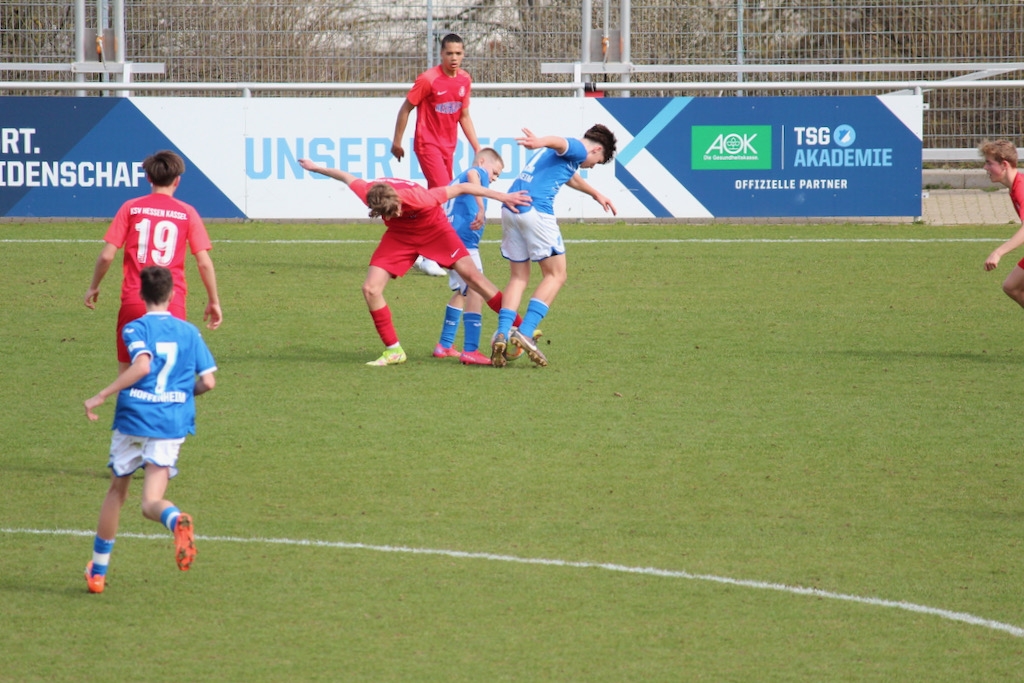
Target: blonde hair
999 150
489 153
383 201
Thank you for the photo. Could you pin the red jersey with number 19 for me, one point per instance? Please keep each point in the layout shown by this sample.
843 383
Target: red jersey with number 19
154 231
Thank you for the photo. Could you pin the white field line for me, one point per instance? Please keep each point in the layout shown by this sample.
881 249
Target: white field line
971 619
695 240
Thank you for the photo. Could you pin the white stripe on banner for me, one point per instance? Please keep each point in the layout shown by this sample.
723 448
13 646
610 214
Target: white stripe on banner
963 617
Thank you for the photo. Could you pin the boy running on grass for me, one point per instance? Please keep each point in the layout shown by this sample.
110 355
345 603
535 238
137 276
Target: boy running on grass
170 366
1001 166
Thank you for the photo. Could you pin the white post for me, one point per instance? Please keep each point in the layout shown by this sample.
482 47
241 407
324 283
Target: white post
739 43
430 33
119 46
80 42
625 28
587 25
102 23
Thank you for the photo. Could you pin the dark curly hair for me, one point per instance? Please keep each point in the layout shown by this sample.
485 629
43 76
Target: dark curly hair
601 135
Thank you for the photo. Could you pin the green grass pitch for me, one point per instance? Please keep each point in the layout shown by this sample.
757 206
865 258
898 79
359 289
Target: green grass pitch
760 453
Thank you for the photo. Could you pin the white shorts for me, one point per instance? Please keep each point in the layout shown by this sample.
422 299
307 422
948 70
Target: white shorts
455 281
530 236
129 453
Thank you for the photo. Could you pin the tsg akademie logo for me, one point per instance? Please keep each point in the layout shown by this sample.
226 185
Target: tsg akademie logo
844 135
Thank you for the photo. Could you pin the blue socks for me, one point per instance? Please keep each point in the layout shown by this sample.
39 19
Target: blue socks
451 326
472 322
506 317
169 517
535 312
101 550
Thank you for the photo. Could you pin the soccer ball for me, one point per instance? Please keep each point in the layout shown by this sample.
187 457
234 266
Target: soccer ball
512 352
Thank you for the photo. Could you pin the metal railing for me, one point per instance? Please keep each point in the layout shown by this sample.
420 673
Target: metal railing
979 78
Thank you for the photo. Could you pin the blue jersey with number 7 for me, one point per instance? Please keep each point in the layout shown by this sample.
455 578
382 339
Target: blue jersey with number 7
546 172
162 404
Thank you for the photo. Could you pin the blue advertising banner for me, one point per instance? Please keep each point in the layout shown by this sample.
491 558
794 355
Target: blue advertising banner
708 157
82 157
775 156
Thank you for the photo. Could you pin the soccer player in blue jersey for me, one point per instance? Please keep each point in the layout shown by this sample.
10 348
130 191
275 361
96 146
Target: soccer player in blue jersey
533 234
170 366
466 213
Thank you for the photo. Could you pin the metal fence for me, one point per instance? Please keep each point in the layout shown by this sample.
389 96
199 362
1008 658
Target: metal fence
389 41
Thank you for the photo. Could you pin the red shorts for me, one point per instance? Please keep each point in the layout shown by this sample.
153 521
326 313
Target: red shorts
130 312
436 165
398 251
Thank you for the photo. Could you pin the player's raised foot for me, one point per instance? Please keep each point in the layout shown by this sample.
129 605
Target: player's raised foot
514 352
390 357
498 350
449 352
95 583
528 344
184 542
474 358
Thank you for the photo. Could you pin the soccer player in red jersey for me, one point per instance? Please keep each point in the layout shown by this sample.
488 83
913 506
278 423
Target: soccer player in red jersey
440 96
416 224
155 230
1001 166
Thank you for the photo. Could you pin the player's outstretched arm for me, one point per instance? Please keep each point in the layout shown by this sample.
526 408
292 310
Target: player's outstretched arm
337 174
509 199
578 183
1005 248
132 374
531 141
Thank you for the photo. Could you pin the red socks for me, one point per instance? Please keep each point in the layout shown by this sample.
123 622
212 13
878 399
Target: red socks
494 303
386 330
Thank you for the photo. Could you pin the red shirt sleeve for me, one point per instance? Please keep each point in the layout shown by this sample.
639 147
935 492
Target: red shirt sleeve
420 88
360 187
198 237
416 197
117 233
439 194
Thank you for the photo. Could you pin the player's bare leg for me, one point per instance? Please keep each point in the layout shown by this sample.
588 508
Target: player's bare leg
1014 285
554 272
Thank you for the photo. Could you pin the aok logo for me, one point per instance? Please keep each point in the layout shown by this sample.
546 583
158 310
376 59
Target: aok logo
731 147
